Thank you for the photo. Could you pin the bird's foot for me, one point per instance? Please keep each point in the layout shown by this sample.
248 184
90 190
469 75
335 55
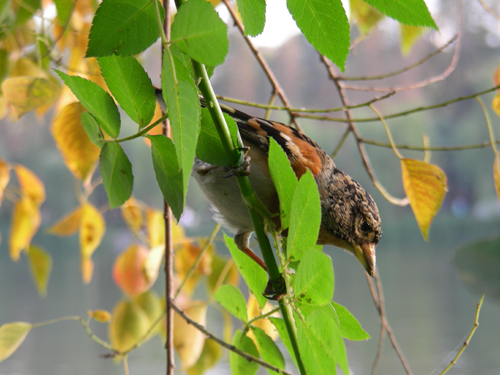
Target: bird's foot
275 289
241 170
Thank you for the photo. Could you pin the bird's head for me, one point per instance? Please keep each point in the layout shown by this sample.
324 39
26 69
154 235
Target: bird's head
350 218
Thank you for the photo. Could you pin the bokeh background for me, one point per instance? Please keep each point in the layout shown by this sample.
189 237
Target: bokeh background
430 308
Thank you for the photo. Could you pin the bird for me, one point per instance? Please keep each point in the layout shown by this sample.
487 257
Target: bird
350 218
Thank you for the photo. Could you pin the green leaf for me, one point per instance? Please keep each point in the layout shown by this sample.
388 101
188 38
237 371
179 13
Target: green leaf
131 87
210 148
12 336
200 33
123 27
325 25
40 266
254 276
314 282
238 364
97 101
305 217
268 349
409 12
92 129
183 109
27 10
168 173
64 8
253 15
320 344
116 172
233 301
349 326
284 178
279 323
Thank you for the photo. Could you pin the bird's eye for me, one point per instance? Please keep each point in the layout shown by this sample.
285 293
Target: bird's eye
365 227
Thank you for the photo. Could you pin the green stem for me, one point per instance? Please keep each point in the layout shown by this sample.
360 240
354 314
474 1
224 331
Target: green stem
234 153
490 128
141 133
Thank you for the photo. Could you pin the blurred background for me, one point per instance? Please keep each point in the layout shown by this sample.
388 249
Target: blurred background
429 307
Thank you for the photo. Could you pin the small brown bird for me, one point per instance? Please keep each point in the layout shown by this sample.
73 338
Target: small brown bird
350 218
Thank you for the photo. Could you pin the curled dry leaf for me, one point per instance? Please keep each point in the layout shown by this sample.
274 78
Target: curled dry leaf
102 316
79 153
425 187
188 341
92 228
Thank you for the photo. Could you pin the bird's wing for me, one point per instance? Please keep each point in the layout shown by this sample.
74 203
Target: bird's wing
301 150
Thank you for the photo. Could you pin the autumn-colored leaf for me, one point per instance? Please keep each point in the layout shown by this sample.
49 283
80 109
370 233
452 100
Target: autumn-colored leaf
92 228
495 104
132 214
209 356
152 305
425 187
68 225
27 93
158 128
496 174
40 265
152 263
31 186
155 227
496 76
129 323
25 222
409 36
185 258
128 271
79 153
188 341
224 271
12 336
253 310
4 177
87 267
102 316
365 16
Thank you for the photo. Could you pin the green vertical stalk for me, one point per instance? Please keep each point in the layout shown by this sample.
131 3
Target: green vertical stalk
234 153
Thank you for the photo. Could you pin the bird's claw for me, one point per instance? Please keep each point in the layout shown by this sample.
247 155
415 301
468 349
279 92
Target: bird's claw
275 289
241 170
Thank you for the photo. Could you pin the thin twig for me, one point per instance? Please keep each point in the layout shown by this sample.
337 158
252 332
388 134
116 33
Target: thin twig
403 70
491 133
426 82
267 70
466 343
428 148
488 9
230 347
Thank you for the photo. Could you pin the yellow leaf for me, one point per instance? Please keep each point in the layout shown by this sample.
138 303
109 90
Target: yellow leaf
365 16
40 265
158 128
12 336
155 226
68 225
495 104
102 316
209 356
425 187
31 186
185 258
152 305
152 263
496 174
79 153
27 93
132 214
25 222
92 228
128 271
265 324
25 67
129 323
87 266
188 341
409 35
223 272
4 177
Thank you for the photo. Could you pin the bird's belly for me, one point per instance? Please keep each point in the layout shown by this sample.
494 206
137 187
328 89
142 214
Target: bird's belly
225 196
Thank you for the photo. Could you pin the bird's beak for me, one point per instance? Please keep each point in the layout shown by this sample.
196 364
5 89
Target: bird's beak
366 256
